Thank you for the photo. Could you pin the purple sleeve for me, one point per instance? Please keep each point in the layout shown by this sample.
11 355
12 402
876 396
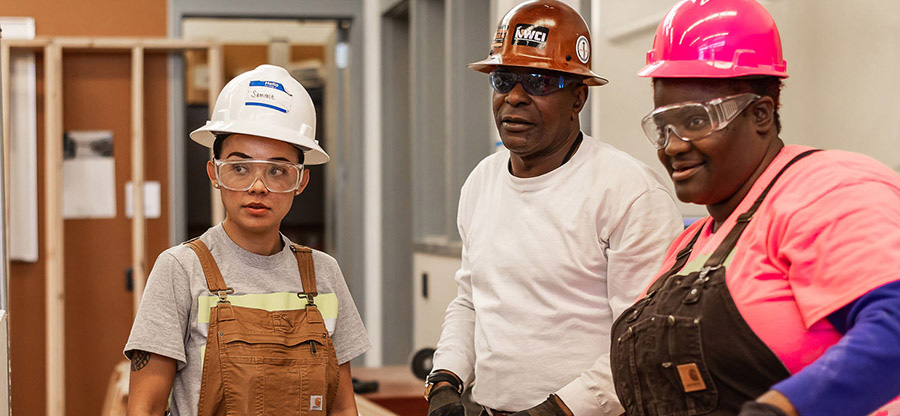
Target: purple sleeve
857 375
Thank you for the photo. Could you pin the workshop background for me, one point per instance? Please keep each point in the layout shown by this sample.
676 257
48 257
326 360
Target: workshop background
402 117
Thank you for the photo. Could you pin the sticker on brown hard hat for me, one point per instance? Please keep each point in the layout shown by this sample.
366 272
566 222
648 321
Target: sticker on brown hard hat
583 49
531 35
499 37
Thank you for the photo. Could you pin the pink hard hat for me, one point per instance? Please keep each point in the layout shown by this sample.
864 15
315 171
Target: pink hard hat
716 39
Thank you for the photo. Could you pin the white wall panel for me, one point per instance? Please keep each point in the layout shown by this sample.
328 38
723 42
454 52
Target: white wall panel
23 188
438 274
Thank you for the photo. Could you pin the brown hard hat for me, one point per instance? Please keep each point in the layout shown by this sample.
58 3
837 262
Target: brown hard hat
545 34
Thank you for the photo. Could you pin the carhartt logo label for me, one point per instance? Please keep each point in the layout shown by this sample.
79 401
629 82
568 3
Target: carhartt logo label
690 377
315 402
531 35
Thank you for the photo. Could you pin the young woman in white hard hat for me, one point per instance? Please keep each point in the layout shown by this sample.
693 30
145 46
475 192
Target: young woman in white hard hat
241 320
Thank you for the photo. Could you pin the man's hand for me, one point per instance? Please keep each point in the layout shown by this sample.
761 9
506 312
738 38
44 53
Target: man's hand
444 400
553 406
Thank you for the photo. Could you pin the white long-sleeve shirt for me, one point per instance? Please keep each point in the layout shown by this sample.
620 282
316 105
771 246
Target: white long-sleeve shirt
548 263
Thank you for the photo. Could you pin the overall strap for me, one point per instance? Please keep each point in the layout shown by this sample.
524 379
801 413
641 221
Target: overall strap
214 280
717 259
680 260
307 271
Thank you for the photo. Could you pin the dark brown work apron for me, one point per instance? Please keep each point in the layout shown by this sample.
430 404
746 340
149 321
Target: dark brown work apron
684 349
266 363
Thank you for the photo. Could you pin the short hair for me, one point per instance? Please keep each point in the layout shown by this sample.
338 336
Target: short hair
220 140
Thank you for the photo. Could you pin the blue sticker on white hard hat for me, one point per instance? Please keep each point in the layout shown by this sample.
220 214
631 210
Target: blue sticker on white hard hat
269 94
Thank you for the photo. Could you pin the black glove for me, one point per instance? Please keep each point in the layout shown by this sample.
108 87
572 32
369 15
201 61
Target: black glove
445 401
553 406
760 409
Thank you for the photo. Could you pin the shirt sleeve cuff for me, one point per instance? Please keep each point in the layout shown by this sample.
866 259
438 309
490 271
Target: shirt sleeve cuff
457 365
579 398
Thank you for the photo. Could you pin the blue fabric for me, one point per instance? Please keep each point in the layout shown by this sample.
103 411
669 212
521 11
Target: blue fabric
861 372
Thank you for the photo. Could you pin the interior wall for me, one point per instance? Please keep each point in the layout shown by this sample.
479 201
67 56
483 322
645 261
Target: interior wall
396 202
97 252
843 60
621 36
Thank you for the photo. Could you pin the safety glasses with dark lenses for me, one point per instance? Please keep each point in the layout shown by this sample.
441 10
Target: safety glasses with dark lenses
535 84
693 121
241 174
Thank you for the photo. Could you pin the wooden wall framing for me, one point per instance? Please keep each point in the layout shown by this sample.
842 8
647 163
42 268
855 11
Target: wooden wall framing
53 158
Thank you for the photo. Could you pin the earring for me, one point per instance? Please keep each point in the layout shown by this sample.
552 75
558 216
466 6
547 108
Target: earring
216 185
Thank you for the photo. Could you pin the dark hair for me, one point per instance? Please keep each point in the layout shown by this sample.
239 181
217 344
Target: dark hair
220 140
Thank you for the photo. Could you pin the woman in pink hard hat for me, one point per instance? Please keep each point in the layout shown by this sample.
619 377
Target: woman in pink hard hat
786 299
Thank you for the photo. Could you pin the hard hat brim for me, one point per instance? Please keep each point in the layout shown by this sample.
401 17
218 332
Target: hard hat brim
313 154
707 69
492 62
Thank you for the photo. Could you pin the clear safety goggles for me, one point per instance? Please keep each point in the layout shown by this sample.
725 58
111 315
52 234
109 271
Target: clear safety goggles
241 174
693 121
535 84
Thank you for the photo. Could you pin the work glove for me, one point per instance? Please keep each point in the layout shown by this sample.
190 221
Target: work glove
553 406
445 401
760 409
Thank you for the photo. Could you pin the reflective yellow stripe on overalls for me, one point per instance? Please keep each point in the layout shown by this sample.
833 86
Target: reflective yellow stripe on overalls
260 362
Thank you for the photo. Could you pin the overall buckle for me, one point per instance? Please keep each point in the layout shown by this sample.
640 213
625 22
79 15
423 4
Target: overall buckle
223 294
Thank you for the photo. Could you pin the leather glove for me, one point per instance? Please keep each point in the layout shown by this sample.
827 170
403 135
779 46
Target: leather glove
553 406
760 409
445 401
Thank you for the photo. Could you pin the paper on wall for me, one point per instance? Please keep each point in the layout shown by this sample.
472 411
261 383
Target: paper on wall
89 175
151 199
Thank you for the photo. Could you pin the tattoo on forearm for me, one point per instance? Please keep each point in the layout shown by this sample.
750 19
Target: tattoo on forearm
139 360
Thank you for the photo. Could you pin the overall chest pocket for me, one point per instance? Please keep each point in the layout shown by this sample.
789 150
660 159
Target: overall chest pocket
266 374
663 369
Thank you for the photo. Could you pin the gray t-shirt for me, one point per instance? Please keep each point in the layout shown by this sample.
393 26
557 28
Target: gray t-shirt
173 318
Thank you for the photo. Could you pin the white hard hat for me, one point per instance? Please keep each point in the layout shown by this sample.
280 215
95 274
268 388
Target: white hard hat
265 102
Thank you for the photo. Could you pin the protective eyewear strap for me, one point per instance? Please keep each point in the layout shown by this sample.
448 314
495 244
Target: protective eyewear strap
726 109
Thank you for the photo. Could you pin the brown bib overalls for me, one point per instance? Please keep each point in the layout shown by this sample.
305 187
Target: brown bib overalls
684 349
266 363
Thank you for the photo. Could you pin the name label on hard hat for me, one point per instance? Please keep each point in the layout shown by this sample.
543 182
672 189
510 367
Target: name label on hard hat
269 94
531 35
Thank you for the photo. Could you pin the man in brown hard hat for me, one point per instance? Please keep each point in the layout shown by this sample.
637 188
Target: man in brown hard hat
558 232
